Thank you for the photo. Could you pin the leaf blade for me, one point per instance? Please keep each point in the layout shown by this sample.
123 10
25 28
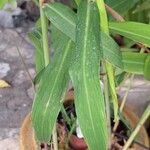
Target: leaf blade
84 74
62 17
35 37
121 6
110 51
134 62
51 91
138 32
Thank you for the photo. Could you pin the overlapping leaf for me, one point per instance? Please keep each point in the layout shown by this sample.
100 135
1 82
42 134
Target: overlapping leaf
62 17
138 63
89 102
138 32
121 6
51 90
36 38
65 20
147 68
111 50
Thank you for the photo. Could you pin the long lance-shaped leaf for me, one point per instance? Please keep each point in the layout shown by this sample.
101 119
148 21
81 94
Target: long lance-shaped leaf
65 20
50 94
147 68
62 17
36 39
137 63
138 32
121 6
111 50
89 102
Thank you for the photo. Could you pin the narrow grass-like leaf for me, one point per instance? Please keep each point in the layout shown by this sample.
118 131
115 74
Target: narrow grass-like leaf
89 101
62 17
65 20
134 62
111 50
36 38
147 68
55 35
121 6
138 32
51 91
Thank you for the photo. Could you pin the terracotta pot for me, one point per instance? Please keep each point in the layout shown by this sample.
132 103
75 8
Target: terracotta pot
28 142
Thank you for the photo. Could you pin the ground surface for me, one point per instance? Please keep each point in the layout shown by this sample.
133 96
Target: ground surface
16 101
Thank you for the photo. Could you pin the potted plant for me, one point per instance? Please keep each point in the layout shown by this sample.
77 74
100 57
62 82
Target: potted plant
86 54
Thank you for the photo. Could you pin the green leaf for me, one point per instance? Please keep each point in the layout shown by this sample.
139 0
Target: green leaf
147 68
84 72
138 32
62 17
55 35
134 62
111 50
121 6
36 38
65 20
51 91
38 77
120 78
144 6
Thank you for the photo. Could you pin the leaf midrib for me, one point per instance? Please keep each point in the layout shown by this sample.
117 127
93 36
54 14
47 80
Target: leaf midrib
84 64
56 79
52 8
129 32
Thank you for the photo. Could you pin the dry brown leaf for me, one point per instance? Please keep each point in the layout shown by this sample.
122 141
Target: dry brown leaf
4 84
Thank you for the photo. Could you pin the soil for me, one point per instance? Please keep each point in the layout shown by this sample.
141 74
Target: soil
120 136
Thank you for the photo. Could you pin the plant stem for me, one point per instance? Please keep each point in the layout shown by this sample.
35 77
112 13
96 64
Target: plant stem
106 66
126 94
115 15
44 26
103 16
71 131
122 104
65 116
106 95
54 136
144 117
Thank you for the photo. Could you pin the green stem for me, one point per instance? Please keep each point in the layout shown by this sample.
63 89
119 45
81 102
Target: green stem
123 103
108 66
144 117
105 65
103 16
126 94
106 95
65 116
73 127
